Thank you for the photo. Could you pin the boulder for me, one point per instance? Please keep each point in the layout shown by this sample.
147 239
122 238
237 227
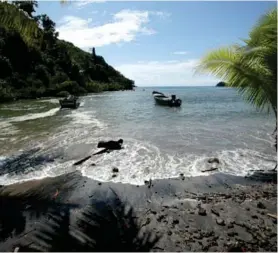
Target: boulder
213 160
115 170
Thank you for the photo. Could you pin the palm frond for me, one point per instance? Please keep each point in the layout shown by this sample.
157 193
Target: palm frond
13 18
250 68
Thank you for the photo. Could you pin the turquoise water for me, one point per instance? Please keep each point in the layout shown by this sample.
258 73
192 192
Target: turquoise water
159 142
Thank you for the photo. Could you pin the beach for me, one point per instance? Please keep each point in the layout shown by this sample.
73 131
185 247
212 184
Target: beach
205 213
198 178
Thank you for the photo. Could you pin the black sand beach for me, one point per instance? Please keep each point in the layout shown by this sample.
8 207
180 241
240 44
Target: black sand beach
210 213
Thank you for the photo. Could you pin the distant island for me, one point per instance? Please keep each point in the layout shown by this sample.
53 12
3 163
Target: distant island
221 84
47 66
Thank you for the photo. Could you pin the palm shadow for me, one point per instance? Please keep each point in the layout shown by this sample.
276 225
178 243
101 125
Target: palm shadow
17 208
100 227
27 160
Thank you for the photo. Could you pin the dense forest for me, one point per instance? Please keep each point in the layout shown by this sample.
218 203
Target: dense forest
49 66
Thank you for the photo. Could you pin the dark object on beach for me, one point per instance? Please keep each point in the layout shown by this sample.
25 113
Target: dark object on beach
221 84
82 160
115 170
211 169
214 212
88 157
108 146
213 160
69 102
202 211
261 205
171 101
112 145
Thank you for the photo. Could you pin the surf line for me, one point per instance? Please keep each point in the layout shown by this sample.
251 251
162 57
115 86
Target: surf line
108 147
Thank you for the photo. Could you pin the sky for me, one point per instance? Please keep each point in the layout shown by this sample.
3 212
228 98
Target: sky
155 43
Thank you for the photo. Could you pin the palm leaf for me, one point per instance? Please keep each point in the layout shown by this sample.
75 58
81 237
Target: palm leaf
13 18
250 68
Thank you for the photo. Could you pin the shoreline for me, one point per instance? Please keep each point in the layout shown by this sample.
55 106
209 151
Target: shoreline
171 208
56 97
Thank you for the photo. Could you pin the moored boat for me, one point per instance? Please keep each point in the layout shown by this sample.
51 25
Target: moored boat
69 102
162 99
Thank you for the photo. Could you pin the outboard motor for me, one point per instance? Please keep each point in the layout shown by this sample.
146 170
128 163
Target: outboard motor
178 102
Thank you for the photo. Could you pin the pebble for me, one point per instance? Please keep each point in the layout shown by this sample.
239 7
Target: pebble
176 221
160 218
220 222
214 212
261 205
115 170
232 233
202 211
230 225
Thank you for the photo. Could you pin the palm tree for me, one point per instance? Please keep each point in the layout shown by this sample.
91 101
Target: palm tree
12 17
252 67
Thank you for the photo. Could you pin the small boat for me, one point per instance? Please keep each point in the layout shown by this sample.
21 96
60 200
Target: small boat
161 99
69 102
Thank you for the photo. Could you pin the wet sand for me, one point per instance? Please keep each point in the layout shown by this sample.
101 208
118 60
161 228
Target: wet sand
209 213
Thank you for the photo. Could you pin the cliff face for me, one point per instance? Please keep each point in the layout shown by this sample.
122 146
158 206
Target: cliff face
49 66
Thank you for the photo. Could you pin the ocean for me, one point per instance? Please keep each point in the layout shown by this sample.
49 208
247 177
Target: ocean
39 140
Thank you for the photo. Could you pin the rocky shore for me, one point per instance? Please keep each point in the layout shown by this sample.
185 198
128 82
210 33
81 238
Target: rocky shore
209 213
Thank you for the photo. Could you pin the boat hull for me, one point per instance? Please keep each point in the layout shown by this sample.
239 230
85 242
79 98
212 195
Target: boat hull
161 99
69 103
168 102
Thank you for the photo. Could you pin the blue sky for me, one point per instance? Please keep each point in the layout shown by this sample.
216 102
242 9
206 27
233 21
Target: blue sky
155 43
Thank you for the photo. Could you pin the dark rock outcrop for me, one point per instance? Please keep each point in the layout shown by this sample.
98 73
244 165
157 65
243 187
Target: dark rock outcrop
221 84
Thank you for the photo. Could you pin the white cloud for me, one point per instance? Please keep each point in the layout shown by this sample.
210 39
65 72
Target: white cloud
82 3
181 52
154 73
125 26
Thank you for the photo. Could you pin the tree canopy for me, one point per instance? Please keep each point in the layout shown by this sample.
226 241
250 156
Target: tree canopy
35 63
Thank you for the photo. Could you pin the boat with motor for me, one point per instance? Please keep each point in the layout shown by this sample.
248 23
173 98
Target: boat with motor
161 99
69 102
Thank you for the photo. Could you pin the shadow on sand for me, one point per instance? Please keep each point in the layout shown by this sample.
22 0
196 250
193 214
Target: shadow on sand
27 160
102 226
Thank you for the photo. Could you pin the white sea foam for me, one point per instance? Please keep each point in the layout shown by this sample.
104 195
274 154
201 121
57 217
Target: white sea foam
40 172
7 128
33 116
51 100
86 118
140 161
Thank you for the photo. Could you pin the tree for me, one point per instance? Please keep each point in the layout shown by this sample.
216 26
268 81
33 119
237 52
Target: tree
11 18
252 67
27 6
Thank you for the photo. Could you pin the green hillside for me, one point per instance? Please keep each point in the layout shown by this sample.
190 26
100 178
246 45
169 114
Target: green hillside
49 66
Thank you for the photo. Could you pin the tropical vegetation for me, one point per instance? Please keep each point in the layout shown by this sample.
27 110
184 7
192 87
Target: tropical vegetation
250 67
35 63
